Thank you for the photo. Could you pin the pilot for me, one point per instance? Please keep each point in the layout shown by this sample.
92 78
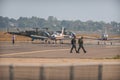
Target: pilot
80 42
73 42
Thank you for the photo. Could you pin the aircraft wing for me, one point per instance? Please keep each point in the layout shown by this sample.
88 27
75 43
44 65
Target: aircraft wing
38 37
66 37
114 39
88 37
95 38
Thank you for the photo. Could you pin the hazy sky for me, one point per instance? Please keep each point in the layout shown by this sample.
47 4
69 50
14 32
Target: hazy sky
96 10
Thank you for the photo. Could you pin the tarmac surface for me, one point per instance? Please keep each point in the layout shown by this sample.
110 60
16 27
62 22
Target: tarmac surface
39 50
27 59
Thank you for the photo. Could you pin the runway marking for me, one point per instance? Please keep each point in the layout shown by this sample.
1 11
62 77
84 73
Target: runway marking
33 52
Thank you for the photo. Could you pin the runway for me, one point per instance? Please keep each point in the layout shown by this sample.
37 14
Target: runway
26 60
30 50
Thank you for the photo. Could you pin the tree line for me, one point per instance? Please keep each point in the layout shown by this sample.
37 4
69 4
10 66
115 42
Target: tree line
54 24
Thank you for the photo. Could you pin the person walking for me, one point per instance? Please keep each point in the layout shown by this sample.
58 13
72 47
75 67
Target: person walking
73 43
80 42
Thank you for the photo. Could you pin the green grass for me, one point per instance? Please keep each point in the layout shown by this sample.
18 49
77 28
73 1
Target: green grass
116 57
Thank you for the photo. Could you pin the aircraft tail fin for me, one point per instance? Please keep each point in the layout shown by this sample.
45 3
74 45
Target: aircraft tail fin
62 31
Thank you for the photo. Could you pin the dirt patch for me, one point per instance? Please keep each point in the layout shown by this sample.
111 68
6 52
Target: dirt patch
53 61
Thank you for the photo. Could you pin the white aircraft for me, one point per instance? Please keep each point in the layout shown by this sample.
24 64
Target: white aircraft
104 36
61 36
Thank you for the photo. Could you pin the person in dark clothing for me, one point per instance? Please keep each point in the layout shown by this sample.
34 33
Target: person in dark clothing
73 42
80 42
13 39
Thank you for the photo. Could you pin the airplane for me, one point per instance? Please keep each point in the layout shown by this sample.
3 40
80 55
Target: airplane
104 37
43 35
33 34
62 36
